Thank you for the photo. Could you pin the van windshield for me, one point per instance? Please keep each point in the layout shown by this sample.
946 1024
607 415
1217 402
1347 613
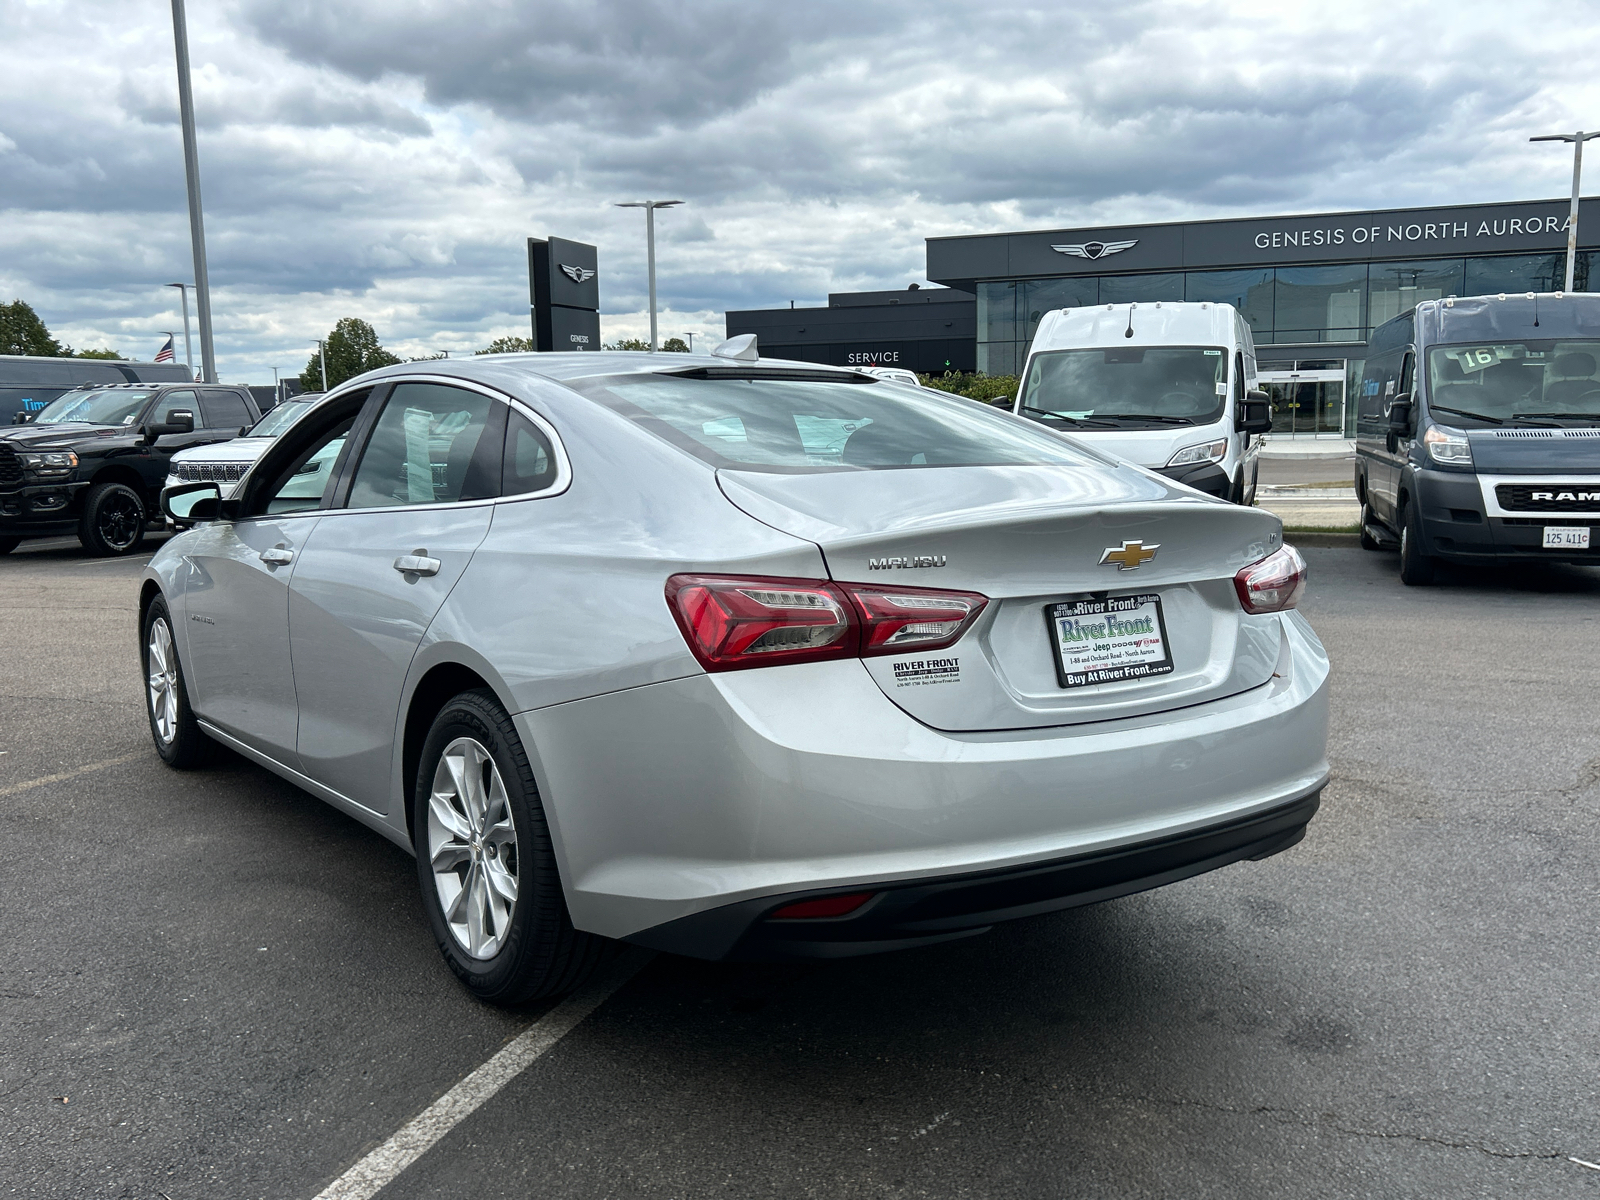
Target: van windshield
1127 386
1498 383
106 406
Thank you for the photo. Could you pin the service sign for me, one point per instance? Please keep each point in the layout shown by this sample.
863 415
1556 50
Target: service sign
1109 639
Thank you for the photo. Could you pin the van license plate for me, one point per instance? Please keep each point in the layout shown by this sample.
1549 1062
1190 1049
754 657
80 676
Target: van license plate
1566 537
1108 640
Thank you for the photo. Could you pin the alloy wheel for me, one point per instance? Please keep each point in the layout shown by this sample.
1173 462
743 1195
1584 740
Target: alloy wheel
161 674
119 521
472 848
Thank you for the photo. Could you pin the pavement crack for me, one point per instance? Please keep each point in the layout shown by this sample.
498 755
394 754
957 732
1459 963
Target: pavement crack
1289 1116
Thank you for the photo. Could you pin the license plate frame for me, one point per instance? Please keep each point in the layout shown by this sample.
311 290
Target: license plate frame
1565 537
1118 662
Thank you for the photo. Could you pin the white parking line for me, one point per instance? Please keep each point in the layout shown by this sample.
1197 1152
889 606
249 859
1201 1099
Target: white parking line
13 788
412 1140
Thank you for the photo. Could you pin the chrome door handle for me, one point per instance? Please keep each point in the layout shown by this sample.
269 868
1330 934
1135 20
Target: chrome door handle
417 564
278 556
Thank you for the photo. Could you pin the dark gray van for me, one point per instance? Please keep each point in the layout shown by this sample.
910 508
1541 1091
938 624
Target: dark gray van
28 383
1478 432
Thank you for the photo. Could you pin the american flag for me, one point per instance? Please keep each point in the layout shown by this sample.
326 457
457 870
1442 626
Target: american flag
165 354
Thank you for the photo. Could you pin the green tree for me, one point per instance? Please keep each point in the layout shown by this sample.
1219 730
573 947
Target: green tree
675 345
98 354
22 332
627 344
508 345
352 348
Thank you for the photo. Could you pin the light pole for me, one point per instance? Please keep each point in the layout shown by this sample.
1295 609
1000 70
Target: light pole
188 346
650 207
322 357
191 169
690 336
1577 140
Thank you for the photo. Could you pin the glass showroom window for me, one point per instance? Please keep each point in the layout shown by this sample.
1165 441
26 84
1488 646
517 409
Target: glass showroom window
1140 289
1248 291
1039 296
1517 273
1395 288
997 328
1321 304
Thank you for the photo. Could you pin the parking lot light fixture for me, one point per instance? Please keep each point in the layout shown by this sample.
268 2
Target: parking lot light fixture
1577 140
191 169
650 207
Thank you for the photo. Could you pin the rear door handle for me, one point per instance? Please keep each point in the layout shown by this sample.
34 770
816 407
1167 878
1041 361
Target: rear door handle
278 556
417 564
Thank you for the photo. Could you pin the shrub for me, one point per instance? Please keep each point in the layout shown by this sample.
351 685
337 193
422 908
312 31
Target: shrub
986 389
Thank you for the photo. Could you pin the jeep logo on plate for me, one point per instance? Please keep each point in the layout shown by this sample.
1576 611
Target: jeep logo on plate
912 560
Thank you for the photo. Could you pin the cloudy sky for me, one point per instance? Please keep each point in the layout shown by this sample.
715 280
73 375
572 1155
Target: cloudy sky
387 159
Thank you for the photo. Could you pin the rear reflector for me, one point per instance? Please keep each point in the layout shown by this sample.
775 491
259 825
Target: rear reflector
734 622
1274 584
828 906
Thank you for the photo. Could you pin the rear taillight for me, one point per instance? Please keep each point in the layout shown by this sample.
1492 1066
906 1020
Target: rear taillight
897 619
732 622
828 906
1273 584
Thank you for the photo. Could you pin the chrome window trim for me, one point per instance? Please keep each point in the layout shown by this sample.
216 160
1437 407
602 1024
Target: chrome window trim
561 483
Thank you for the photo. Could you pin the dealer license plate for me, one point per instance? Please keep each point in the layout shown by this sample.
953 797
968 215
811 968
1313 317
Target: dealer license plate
1566 537
1108 640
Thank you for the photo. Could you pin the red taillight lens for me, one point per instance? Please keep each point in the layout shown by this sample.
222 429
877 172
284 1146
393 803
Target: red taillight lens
828 906
898 619
733 622
1273 584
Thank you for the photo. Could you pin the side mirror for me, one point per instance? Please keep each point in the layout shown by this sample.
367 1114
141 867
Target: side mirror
182 422
186 503
1255 413
21 417
1400 415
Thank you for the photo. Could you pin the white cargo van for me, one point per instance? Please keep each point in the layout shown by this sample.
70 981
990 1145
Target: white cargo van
1170 385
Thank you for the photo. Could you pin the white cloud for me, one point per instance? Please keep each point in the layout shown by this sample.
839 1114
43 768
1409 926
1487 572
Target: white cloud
388 160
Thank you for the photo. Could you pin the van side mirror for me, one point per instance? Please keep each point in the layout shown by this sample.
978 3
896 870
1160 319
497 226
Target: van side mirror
186 503
1255 413
1400 415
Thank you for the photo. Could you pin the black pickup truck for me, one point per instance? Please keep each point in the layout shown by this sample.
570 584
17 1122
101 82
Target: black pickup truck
93 461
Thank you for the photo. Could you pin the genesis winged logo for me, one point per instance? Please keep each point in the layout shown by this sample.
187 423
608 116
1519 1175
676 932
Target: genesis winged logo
576 274
1092 250
1130 556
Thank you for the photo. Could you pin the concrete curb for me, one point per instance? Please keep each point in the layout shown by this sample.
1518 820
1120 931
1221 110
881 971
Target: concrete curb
1319 538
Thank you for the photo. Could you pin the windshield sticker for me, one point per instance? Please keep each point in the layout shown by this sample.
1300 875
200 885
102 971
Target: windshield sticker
1476 360
925 672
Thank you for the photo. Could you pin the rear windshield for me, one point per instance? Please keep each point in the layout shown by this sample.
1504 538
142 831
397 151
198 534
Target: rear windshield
1494 383
110 406
1161 385
794 425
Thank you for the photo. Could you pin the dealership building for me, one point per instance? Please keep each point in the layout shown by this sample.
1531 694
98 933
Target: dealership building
1312 288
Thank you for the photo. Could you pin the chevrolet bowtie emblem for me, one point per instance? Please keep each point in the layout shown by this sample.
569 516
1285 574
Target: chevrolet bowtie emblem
1131 555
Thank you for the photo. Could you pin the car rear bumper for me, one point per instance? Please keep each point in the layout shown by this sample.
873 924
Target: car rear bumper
679 798
902 915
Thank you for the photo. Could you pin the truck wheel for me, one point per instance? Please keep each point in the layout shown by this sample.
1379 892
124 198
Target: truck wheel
7 545
488 871
113 520
1416 568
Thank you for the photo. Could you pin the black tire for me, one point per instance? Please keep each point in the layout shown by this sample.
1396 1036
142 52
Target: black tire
535 951
113 520
7 545
1416 568
1368 542
1236 492
179 740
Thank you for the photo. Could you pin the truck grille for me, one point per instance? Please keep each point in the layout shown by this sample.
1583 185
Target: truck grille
10 468
1549 497
210 472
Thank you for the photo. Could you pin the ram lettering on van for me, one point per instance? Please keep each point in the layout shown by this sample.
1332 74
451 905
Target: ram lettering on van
1567 497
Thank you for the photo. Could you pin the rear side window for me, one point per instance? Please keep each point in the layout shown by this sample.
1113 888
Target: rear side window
530 461
225 410
797 425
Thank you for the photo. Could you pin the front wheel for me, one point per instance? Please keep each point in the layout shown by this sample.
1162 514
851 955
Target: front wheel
113 520
484 859
178 737
1416 568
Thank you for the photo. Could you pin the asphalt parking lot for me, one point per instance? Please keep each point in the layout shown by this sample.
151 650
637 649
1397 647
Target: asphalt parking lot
216 986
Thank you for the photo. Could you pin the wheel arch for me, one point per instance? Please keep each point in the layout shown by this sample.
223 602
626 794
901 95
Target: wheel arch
114 472
439 683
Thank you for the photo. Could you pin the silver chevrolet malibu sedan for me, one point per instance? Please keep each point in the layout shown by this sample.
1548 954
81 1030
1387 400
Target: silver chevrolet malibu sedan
735 657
